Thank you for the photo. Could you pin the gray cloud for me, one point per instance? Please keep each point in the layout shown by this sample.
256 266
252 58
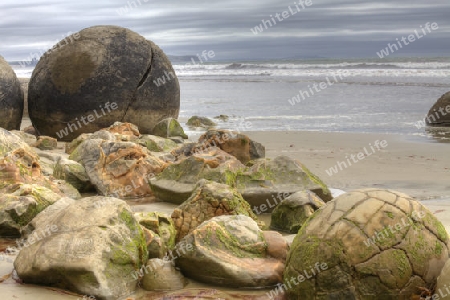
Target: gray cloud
329 28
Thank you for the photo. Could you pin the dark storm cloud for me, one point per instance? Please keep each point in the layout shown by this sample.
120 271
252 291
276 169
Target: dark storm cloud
330 28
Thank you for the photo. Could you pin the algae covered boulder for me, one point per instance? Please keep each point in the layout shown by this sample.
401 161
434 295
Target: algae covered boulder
94 251
230 251
19 204
11 98
208 200
74 173
374 244
177 182
103 75
266 179
162 228
293 211
169 128
196 121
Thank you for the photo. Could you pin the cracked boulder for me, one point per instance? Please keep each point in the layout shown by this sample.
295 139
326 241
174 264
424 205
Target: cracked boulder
11 98
367 244
209 199
100 75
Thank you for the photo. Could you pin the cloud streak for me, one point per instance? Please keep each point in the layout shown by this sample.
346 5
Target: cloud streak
329 28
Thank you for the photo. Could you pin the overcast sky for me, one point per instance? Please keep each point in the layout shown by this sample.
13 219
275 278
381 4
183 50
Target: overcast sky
327 28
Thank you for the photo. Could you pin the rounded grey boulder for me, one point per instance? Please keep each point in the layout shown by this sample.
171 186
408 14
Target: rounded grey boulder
439 114
98 76
11 98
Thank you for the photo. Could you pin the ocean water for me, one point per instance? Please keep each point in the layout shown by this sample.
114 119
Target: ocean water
378 96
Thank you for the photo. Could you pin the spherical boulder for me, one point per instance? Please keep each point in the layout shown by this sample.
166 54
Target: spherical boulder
366 244
98 76
439 114
11 98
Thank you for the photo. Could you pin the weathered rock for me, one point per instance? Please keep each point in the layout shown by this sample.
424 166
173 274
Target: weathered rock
156 143
20 204
162 225
234 143
208 200
30 129
121 129
119 169
293 211
41 220
264 180
231 251
24 136
155 246
105 74
177 182
223 118
267 179
67 189
10 141
20 166
163 276
443 283
169 128
74 173
48 160
46 143
94 252
196 121
11 98
439 114
374 244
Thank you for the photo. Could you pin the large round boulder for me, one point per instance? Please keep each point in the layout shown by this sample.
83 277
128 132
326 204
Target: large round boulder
11 98
366 244
100 75
439 114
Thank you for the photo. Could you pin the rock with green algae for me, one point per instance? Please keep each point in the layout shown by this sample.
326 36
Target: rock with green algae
19 204
259 182
208 200
162 226
293 211
169 127
231 251
46 143
95 251
177 182
156 144
10 141
374 244
74 173
196 121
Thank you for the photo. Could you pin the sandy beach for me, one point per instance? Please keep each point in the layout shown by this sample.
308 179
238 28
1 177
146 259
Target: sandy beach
415 167
419 169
